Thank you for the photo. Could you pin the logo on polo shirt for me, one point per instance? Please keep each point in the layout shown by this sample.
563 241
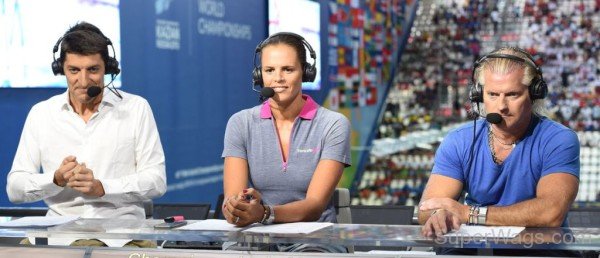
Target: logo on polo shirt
308 150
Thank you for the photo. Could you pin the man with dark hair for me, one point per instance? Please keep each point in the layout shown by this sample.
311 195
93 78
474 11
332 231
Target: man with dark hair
87 152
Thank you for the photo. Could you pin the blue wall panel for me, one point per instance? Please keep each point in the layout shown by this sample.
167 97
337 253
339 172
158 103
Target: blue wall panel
192 61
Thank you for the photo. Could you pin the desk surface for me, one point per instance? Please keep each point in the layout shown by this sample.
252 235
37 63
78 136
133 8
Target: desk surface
341 234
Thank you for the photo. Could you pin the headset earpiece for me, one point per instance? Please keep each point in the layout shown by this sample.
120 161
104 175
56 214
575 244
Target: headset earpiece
57 63
257 76
538 88
475 92
57 67
310 73
112 66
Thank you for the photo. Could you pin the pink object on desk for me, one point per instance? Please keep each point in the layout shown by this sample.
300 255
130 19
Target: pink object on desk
174 218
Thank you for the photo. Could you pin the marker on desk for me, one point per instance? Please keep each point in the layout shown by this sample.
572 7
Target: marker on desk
172 219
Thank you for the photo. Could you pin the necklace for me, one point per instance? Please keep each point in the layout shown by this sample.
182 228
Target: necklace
511 145
491 144
491 138
504 146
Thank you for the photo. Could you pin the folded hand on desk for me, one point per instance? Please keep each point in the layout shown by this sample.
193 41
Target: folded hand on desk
439 223
244 208
445 214
447 204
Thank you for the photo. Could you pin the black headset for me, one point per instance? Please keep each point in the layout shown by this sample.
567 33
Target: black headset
538 89
309 71
111 66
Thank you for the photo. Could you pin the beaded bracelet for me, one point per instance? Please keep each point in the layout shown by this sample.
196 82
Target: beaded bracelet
473 215
265 215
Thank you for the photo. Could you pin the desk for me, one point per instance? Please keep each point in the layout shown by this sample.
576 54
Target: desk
340 234
104 252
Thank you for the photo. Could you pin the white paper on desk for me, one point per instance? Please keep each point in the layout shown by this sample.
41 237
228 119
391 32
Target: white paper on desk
486 231
290 228
211 224
39 221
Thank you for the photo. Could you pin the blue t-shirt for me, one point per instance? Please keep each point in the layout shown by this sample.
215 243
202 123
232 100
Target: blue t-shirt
547 147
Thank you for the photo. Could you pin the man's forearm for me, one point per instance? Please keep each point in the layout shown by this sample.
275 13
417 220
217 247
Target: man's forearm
23 187
536 212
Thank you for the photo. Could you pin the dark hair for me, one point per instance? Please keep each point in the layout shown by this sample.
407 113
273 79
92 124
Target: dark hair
84 39
290 40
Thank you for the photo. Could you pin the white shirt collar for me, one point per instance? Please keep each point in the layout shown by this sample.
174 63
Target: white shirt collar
108 99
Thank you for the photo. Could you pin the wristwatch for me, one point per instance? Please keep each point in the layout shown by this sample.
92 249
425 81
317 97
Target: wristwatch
271 218
482 216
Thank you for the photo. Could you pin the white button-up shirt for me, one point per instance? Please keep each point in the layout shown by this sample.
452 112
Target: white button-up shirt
119 143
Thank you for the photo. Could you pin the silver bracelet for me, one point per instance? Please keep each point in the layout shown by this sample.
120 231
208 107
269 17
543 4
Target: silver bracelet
482 216
473 211
271 218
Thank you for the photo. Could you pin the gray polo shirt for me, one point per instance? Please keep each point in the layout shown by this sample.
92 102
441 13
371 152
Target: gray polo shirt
317 134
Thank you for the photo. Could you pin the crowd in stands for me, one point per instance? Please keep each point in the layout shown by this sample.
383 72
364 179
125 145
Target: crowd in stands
429 92
564 37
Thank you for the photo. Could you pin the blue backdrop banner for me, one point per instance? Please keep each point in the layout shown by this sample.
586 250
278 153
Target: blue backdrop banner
192 60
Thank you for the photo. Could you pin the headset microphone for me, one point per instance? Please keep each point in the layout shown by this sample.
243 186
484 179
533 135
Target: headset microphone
264 92
93 91
494 118
267 92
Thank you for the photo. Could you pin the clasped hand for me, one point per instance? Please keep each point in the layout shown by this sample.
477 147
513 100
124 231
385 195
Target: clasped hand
241 210
78 177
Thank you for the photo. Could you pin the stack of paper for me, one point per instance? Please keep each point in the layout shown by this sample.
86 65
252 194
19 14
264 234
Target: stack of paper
290 228
285 228
211 224
486 232
38 221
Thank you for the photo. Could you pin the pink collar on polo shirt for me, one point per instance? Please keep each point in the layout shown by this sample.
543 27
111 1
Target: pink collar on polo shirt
309 110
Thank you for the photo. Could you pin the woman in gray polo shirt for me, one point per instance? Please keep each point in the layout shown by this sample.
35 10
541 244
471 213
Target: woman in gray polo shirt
284 158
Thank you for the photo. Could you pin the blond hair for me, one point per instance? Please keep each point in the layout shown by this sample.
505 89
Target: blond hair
504 66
